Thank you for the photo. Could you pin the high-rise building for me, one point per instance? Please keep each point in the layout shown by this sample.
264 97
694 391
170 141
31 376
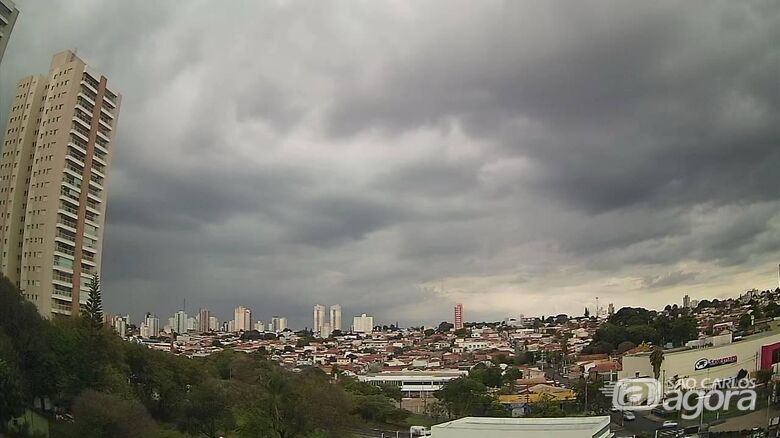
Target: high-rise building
53 174
363 324
242 320
458 316
213 323
179 323
204 321
326 331
278 323
611 309
319 318
152 324
686 302
119 323
335 317
8 14
259 326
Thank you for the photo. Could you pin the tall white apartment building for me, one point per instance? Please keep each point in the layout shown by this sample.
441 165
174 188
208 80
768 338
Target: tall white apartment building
242 320
319 318
335 317
54 168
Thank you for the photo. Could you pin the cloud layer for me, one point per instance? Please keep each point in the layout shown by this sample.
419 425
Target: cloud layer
397 157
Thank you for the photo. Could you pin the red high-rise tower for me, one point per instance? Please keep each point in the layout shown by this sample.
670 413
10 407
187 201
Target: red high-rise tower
458 316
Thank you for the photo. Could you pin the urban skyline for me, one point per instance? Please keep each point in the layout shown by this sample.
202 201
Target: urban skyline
397 200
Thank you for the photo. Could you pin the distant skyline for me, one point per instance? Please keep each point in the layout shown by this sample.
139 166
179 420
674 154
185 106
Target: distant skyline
400 157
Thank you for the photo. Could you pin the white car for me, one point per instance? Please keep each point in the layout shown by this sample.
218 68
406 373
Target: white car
669 424
629 416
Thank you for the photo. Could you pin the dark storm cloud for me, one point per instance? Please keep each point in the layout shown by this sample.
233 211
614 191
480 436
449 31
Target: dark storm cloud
397 157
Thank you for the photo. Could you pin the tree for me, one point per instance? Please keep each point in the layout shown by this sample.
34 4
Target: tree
94 306
625 346
12 403
488 376
392 391
462 333
590 396
464 397
206 409
656 360
444 327
99 414
546 407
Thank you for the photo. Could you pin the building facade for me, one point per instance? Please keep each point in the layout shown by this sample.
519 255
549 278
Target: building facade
319 318
8 14
278 323
458 316
54 170
242 320
363 324
204 321
708 359
335 317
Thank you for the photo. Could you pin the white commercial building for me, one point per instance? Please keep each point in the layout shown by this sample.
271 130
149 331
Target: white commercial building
712 358
486 427
415 384
363 324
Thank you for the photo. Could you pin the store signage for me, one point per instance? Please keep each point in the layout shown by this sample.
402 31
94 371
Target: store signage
705 363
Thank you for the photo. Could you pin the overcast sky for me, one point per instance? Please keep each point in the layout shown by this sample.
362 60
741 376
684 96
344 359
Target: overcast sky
398 157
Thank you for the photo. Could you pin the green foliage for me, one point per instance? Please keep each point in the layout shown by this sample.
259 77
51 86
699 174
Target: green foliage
546 407
392 391
465 396
378 408
625 346
590 397
98 414
94 308
489 376
637 325
462 333
115 388
656 360
444 327
12 403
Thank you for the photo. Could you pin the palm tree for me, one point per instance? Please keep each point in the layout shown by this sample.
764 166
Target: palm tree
656 359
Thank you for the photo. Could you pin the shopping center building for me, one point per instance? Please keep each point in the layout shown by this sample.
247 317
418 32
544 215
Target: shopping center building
719 357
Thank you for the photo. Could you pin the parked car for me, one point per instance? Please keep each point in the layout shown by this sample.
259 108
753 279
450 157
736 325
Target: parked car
629 416
669 424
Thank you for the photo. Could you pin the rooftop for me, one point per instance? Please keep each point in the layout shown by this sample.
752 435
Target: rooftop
527 425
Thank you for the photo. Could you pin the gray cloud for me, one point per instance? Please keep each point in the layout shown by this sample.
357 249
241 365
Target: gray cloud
282 155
